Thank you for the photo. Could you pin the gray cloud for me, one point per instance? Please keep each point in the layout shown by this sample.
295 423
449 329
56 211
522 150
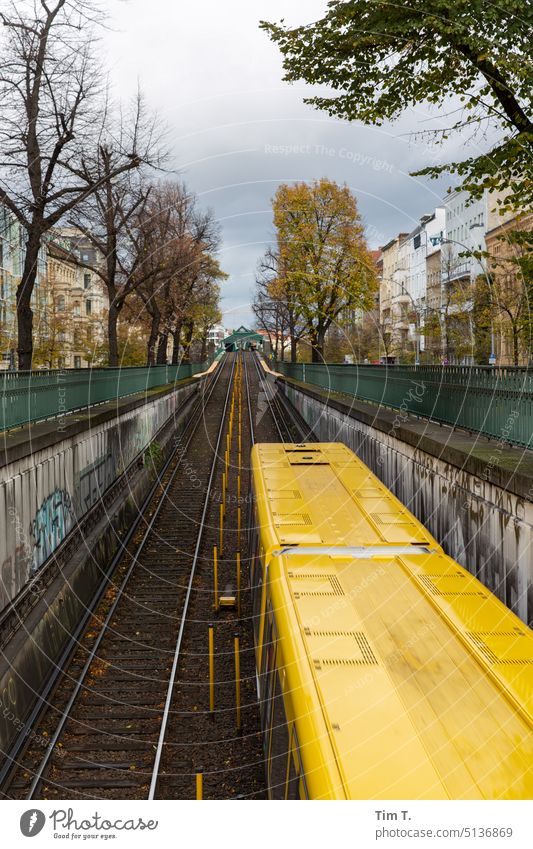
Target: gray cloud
237 131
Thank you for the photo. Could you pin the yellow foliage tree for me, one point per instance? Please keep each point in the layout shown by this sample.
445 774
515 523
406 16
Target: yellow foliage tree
324 260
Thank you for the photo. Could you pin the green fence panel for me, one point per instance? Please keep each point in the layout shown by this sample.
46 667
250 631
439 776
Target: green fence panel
33 396
497 402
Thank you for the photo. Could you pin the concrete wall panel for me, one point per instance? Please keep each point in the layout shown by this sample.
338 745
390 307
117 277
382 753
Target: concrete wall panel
487 529
44 492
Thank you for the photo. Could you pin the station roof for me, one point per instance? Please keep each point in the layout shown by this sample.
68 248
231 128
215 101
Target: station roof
241 334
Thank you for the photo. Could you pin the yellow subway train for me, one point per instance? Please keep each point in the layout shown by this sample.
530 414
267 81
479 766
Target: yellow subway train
384 669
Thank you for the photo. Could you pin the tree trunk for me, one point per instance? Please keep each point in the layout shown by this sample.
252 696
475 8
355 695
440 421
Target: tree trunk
516 354
203 352
189 329
24 310
317 346
317 354
112 321
162 349
176 336
152 339
294 347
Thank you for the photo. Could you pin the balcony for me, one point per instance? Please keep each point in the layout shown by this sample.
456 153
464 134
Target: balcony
457 273
402 298
402 323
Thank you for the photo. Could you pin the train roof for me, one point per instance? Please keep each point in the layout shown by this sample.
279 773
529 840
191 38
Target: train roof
417 675
422 677
322 493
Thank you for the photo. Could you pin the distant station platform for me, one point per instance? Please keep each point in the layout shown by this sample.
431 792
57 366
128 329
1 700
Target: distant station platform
246 340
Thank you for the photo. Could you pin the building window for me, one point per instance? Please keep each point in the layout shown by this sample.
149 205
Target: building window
88 307
77 362
86 281
416 241
77 308
61 303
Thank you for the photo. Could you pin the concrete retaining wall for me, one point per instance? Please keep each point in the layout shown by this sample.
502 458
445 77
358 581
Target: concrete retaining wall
44 492
485 527
84 465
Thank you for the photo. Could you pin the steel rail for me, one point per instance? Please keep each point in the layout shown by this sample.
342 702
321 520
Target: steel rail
172 678
73 642
13 616
249 403
10 762
263 380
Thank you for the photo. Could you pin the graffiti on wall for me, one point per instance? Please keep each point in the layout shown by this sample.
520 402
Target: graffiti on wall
51 524
93 481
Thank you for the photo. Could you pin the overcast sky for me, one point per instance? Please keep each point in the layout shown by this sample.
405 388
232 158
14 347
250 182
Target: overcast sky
237 130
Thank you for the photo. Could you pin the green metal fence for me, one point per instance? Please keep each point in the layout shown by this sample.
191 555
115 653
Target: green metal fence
497 402
36 395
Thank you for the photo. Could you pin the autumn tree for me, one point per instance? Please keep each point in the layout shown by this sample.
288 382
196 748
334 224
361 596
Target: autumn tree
270 314
197 241
381 59
51 95
203 314
276 305
323 257
113 218
180 272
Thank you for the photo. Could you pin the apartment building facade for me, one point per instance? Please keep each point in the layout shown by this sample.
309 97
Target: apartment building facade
69 302
451 289
77 308
12 257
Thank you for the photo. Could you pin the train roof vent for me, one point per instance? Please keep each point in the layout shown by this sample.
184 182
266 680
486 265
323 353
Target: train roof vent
281 520
284 493
330 586
351 649
391 518
503 647
311 576
447 585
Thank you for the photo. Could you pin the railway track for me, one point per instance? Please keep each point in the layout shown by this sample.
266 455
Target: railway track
129 715
104 718
230 758
289 425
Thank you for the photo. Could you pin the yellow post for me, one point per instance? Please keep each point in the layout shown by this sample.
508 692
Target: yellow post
238 567
211 671
215 576
221 526
199 783
238 486
237 680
